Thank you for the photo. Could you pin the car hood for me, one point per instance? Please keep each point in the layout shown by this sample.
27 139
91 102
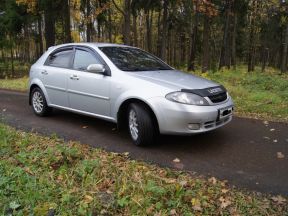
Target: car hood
174 79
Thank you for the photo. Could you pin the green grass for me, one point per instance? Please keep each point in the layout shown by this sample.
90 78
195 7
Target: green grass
256 94
20 84
40 175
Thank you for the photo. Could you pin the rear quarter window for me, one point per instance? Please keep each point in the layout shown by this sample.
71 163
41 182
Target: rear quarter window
61 59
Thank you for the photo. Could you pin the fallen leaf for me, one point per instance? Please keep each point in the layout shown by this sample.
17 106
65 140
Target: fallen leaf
176 160
170 180
27 170
150 210
272 129
60 178
266 204
196 205
212 180
224 190
109 192
280 155
173 212
183 183
279 199
126 153
104 212
223 183
225 202
84 127
88 199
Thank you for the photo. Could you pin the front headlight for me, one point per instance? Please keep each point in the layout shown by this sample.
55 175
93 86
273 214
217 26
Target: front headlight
187 98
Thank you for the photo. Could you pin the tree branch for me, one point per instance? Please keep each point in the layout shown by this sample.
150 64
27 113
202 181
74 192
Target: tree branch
118 8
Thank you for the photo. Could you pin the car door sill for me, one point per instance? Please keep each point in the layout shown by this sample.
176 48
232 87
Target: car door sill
107 118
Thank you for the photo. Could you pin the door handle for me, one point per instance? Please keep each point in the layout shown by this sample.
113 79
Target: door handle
74 77
44 72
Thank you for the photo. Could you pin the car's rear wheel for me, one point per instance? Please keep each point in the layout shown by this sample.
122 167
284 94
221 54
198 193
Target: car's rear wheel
39 103
142 129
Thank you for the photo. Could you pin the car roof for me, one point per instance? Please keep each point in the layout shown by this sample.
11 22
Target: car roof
92 44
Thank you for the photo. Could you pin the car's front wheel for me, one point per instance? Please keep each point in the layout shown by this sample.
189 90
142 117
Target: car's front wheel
142 128
39 103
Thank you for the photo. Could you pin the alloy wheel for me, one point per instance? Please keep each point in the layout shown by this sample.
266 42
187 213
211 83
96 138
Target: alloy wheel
133 125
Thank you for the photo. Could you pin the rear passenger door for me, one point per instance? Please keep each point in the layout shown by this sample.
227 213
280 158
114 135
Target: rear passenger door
87 91
54 75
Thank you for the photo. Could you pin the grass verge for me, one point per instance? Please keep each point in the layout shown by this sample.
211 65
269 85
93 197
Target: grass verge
20 84
41 176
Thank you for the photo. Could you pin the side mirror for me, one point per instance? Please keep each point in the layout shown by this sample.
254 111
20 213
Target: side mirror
96 68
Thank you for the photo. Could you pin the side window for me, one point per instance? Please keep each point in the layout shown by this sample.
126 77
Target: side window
60 59
83 59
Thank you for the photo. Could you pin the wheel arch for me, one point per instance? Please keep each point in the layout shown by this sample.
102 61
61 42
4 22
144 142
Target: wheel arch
123 108
38 84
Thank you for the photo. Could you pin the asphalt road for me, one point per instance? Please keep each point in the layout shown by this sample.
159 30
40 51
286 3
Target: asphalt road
243 152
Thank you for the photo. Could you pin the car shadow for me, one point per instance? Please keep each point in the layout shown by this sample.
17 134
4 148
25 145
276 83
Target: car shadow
209 141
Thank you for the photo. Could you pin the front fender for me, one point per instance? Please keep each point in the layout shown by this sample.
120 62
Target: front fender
132 94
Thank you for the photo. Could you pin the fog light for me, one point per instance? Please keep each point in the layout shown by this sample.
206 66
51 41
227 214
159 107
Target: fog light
194 126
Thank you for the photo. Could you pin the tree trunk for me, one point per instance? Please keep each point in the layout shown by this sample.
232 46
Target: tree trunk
110 26
251 52
285 49
40 39
49 25
224 56
194 35
159 33
163 44
26 44
251 49
127 14
183 48
89 21
233 49
148 30
265 57
135 32
67 21
206 45
12 57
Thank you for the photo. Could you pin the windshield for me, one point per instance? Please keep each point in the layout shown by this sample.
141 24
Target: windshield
133 59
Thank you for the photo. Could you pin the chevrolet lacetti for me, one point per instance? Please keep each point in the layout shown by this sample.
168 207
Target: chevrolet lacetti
127 86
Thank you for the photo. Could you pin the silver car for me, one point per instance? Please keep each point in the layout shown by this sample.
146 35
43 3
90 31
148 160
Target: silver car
127 86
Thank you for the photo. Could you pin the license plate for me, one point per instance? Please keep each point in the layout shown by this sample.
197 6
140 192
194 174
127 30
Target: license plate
225 112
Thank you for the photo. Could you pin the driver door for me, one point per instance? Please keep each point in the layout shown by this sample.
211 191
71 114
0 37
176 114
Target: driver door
88 92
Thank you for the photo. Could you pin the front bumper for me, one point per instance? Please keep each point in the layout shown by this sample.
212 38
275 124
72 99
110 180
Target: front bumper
175 118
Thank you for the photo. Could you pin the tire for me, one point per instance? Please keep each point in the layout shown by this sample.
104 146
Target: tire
141 126
39 103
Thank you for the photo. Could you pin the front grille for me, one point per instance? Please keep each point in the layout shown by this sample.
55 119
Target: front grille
218 98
